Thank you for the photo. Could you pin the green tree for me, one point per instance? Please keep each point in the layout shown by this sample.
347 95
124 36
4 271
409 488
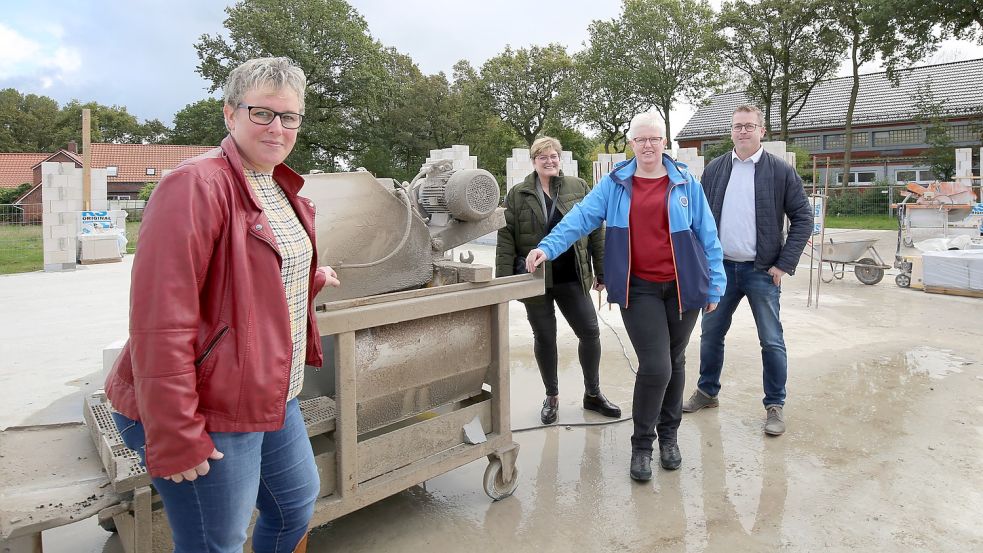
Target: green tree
522 86
961 19
28 122
153 132
9 195
873 27
108 124
330 41
785 48
605 97
488 136
674 52
941 155
577 144
200 123
146 190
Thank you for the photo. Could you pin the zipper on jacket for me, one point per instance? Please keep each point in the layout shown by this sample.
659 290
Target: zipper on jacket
672 249
211 346
628 274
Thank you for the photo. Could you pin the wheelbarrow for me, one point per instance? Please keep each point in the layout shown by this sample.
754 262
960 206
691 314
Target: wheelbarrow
867 264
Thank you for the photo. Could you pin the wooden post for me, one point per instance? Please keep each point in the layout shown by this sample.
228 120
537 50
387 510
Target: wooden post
86 161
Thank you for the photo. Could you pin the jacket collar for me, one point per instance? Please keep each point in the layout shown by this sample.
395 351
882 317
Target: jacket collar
625 170
287 178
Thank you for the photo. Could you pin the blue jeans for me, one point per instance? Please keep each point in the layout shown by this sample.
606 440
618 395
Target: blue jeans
271 471
743 280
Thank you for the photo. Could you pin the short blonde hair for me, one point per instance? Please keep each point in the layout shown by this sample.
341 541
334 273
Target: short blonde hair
751 109
645 119
544 143
263 74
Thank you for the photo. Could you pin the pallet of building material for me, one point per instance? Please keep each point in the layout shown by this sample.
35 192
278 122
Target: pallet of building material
954 291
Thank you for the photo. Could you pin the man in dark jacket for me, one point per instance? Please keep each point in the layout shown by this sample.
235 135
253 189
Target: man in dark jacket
750 193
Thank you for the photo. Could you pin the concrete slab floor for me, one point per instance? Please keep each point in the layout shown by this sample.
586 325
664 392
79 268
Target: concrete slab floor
882 453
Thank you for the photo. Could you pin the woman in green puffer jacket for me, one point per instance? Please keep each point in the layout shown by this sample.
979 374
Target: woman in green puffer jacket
533 208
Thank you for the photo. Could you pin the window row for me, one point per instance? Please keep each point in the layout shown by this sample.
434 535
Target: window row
113 171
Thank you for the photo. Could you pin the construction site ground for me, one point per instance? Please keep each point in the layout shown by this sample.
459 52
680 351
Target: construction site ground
882 452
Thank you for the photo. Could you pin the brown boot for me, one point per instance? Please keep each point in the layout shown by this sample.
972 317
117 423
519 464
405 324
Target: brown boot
302 546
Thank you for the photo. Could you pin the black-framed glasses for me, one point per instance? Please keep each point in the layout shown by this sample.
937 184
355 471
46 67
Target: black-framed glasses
749 127
265 116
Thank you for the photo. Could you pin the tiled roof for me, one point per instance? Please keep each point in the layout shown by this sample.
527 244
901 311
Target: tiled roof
16 169
955 84
132 160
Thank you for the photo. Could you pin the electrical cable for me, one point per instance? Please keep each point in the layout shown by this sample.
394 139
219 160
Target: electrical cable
624 351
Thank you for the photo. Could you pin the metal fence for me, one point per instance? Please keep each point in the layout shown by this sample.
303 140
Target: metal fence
21 246
21 235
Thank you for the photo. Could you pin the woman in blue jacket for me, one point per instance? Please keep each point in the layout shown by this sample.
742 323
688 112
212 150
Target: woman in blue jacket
662 264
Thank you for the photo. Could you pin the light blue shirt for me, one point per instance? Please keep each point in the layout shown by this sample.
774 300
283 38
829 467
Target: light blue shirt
737 216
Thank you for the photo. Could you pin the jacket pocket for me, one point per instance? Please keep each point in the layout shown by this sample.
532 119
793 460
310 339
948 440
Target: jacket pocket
207 351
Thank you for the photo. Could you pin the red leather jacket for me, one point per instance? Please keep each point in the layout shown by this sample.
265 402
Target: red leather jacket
209 347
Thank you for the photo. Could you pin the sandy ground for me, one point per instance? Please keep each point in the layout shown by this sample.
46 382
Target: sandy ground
882 453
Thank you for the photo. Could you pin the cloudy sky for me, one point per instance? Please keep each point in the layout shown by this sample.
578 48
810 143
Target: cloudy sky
140 53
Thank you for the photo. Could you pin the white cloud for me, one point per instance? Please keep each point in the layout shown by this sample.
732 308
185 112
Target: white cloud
16 51
44 58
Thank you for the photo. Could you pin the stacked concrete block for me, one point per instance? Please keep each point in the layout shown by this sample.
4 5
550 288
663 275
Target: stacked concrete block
964 163
61 198
693 161
605 164
778 148
61 195
459 154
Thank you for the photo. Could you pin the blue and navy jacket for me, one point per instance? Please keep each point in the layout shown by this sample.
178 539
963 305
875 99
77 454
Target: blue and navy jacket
696 251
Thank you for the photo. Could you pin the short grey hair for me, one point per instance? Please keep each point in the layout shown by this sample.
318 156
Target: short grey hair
645 119
264 74
751 109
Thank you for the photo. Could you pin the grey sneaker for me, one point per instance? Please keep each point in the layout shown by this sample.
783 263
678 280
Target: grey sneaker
698 401
775 425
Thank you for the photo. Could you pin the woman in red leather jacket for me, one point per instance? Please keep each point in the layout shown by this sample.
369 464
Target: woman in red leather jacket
221 326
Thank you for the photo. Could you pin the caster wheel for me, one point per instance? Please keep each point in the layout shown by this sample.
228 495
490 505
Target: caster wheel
495 487
903 281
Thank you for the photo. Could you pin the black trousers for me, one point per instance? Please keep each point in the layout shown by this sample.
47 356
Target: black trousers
577 309
659 334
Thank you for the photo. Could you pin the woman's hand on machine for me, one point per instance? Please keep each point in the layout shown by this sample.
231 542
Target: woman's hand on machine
330 277
535 258
200 470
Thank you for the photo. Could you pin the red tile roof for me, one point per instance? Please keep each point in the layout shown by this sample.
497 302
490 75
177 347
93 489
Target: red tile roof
133 160
16 169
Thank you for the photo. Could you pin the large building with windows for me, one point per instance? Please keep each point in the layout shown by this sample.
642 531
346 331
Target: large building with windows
888 130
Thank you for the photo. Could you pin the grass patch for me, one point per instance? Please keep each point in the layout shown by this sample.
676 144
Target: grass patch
21 249
864 222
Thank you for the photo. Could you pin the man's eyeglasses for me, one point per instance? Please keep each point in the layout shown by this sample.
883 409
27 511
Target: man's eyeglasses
640 141
745 127
551 157
265 116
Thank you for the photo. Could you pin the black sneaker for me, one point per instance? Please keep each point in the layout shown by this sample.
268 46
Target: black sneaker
551 409
600 404
641 466
669 456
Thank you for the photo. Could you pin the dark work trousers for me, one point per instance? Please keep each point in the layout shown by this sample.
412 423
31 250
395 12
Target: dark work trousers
578 310
659 335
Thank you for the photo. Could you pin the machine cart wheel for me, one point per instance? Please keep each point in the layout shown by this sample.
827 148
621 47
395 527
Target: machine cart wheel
501 475
903 280
868 271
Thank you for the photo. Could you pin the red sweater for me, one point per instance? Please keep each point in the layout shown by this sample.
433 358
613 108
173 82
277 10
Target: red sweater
648 227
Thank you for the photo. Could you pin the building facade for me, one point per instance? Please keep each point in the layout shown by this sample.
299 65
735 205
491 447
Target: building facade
889 130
